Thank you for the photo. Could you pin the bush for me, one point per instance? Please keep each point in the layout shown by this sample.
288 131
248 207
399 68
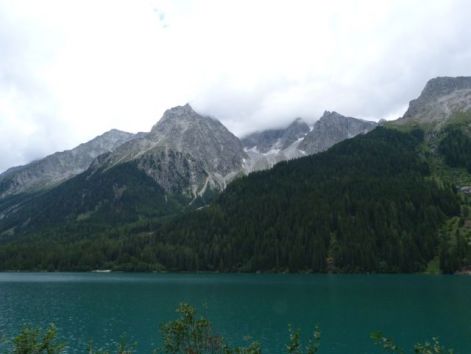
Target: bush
433 347
32 340
190 334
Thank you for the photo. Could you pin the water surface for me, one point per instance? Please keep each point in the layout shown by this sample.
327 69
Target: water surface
102 307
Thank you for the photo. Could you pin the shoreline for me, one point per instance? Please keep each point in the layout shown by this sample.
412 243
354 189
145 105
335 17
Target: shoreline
109 271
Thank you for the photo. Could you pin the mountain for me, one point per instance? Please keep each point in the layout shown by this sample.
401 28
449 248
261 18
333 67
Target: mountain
185 158
182 163
390 199
368 204
439 100
269 147
331 129
184 152
276 139
60 166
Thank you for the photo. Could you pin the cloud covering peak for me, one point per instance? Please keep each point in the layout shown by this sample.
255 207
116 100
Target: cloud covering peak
71 70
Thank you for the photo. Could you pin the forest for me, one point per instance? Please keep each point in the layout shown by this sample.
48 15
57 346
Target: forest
369 204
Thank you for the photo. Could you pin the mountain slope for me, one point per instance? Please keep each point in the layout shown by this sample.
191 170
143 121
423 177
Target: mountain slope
276 139
205 138
439 100
367 204
364 205
183 160
388 200
267 148
208 154
60 166
331 129
120 195
184 152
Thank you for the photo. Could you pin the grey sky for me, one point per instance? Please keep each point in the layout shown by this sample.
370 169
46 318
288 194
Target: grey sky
70 70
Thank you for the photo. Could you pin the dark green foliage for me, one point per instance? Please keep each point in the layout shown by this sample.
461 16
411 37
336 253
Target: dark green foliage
385 343
456 148
366 205
32 340
455 248
123 347
190 334
294 345
91 202
193 334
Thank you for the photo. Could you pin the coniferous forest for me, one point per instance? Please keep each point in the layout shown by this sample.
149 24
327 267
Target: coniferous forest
369 204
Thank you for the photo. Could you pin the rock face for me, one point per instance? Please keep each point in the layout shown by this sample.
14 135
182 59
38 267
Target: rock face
276 139
204 138
331 129
184 157
59 166
440 98
179 164
268 147
184 152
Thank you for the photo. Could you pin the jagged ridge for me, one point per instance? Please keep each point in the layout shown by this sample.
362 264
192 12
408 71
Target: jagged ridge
439 100
59 166
331 129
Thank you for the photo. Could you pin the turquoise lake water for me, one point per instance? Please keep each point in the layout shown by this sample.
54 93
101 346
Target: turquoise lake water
347 308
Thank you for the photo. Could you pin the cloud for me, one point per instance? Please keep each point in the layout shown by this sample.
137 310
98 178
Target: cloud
29 126
72 70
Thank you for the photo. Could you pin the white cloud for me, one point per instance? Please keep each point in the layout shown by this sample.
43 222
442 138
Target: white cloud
73 69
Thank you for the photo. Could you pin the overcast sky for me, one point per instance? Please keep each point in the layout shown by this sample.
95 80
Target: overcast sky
71 70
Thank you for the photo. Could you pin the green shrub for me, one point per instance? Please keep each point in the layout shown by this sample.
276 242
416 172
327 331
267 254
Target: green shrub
193 334
32 340
433 347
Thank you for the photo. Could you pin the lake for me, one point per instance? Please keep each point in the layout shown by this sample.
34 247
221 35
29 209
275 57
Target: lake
104 306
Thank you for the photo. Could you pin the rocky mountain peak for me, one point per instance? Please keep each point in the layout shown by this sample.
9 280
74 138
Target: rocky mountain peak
295 131
298 124
441 86
182 118
108 141
328 115
115 132
276 139
60 166
184 150
185 112
440 98
298 121
183 129
332 128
